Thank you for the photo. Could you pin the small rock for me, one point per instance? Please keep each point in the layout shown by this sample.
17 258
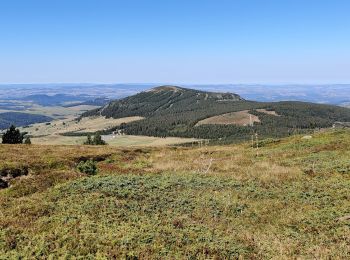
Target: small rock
3 184
307 137
345 218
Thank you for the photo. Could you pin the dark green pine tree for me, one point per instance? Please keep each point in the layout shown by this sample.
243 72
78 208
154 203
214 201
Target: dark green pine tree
12 136
88 140
98 140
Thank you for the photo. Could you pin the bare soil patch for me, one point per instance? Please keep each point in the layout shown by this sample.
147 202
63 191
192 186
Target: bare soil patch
269 112
242 118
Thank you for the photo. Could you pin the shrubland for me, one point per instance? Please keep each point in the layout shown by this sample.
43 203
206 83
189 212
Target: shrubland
288 199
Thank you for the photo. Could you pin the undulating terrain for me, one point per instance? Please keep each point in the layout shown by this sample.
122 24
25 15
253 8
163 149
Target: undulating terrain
160 115
20 119
287 199
221 117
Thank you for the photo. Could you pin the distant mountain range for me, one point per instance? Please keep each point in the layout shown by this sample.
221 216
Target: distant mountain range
55 100
176 111
324 94
92 102
336 94
24 103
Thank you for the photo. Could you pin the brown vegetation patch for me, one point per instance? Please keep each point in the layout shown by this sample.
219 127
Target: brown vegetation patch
269 112
242 118
40 182
36 157
71 125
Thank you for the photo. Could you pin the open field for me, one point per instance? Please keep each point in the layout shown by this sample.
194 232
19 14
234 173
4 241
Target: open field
234 118
241 118
268 112
52 134
146 141
223 202
122 141
87 124
55 139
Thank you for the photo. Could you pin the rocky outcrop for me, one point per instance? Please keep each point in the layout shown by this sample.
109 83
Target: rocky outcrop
3 184
8 174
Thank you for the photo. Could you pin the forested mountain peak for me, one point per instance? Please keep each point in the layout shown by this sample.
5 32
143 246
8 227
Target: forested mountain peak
166 88
182 112
197 93
163 99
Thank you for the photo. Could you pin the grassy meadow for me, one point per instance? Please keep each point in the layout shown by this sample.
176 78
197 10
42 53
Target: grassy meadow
72 125
118 141
289 199
53 133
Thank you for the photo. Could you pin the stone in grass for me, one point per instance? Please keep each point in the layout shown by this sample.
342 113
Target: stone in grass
3 184
345 218
306 137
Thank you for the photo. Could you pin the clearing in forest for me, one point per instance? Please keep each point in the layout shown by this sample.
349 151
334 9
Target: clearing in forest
242 118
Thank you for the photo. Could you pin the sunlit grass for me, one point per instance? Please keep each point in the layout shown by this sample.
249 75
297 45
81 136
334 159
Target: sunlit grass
173 203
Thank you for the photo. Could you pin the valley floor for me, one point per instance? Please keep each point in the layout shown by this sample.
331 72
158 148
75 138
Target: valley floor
290 199
54 133
119 141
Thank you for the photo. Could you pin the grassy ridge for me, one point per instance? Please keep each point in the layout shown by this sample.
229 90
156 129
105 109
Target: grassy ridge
209 202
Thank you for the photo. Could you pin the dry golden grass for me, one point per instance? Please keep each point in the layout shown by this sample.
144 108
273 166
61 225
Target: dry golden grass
43 156
86 124
269 112
56 139
146 141
118 141
234 118
236 161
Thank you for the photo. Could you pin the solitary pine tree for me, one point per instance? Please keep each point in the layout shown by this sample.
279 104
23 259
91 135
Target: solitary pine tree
88 140
12 136
98 140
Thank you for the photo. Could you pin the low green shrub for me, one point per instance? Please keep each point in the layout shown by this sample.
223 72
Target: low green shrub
89 167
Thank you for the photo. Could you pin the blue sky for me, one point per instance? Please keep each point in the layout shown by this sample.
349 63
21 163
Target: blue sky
178 41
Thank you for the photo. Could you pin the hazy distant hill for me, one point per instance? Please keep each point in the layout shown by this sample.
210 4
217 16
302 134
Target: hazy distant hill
333 94
54 100
21 119
175 111
93 102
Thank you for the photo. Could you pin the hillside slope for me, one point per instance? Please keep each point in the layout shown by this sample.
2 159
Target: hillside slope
216 202
55 100
175 111
21 119
163 100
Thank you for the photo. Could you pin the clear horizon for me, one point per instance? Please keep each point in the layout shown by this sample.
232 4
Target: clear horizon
178 84
184 42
